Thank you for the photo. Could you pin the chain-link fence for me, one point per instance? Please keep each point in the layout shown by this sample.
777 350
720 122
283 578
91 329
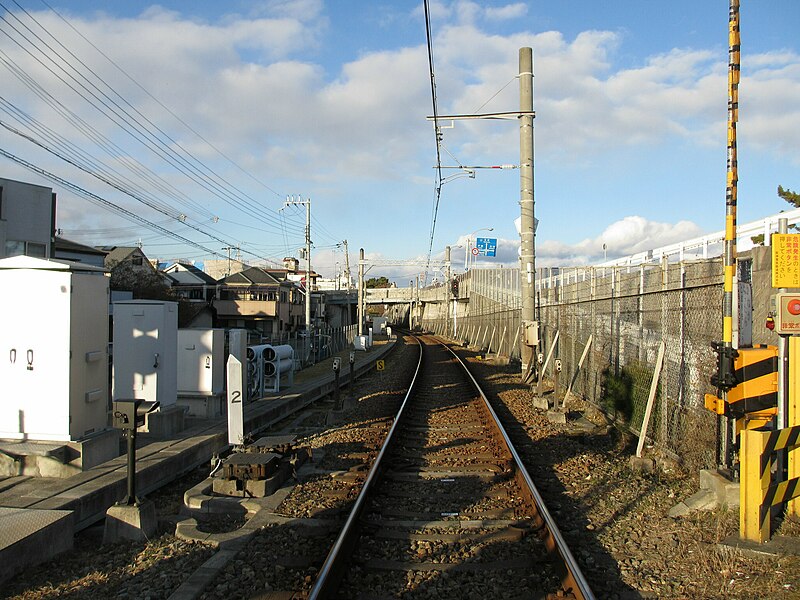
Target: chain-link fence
618 318
624 316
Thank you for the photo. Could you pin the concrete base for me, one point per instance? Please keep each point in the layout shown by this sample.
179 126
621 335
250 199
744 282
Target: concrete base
165 422
96 449
57 459
779 545
724 489
203 406
557 415
137 522
541 403
29 537
716 489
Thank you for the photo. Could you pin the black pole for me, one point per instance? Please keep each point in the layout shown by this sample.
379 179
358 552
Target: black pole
350 383
131 499
337 393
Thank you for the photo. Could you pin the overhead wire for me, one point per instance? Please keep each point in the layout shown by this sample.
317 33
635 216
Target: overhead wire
133 125
102 201
437 130
157 101
93 135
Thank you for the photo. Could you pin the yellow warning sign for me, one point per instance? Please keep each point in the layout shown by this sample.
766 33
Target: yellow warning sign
381 365
786 260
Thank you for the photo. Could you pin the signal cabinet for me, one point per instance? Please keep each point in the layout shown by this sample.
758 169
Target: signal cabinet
53 349
201 361
145 360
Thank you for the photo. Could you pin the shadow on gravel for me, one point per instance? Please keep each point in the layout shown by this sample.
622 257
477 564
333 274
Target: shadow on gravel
541 456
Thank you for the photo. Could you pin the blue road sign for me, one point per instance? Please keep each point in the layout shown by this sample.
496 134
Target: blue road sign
486 246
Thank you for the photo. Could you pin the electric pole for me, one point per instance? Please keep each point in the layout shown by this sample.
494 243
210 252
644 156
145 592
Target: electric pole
448 290
361 293
307 203
228 248
530 339
346 264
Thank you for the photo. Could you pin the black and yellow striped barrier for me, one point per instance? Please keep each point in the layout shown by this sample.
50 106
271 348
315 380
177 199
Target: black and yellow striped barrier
757 493
753 399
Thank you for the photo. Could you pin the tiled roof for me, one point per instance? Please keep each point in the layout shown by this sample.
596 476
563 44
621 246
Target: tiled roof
251 276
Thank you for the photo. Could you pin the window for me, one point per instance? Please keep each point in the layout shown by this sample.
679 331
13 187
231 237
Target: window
137 261
19 248
15 248
38 250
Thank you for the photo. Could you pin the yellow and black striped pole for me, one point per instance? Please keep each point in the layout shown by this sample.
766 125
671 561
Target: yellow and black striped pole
724 378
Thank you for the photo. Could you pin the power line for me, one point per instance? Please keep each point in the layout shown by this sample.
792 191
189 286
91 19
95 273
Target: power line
141 129
437 130
162 105
102 201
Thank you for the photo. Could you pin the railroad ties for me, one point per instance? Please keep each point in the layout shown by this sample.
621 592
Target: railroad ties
447 512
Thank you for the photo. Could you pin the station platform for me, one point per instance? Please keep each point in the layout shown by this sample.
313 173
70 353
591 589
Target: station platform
83 499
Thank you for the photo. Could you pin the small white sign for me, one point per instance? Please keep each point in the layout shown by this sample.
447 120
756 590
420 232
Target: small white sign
235 402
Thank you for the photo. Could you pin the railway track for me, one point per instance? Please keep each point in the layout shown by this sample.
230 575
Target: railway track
447 509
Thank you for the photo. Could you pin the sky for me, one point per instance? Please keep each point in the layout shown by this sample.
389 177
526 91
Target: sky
204 118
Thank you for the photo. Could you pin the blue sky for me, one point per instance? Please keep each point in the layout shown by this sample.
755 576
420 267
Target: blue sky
328 100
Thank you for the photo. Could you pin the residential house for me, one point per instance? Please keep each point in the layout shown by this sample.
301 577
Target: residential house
255 299
27 219
64 249
191 283
131 270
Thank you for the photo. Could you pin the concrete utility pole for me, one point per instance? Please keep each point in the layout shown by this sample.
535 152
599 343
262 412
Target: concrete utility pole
346 264
448 289
307 203
361 293
529 339
228 248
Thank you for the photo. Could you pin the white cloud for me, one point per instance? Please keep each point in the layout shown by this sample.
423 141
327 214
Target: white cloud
509 11
630 235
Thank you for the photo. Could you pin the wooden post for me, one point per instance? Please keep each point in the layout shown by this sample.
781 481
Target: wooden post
651 398
580 363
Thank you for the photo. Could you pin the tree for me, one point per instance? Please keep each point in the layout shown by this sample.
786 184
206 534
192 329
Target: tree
789 196
147 284
377 282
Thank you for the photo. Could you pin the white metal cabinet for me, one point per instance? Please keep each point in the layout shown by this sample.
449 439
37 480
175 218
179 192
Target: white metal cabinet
53 349
145 362
201 361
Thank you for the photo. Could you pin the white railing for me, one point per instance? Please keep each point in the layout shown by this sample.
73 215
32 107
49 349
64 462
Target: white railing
709 245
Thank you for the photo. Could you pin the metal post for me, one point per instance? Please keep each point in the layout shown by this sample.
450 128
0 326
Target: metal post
131 499
725 379
782 418
527 227
352 376
448 290
361 292
308 267
337 394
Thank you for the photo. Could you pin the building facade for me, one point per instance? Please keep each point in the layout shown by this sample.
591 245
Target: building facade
27 219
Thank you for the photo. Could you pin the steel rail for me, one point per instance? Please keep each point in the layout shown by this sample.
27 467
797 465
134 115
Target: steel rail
574 580
331 571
